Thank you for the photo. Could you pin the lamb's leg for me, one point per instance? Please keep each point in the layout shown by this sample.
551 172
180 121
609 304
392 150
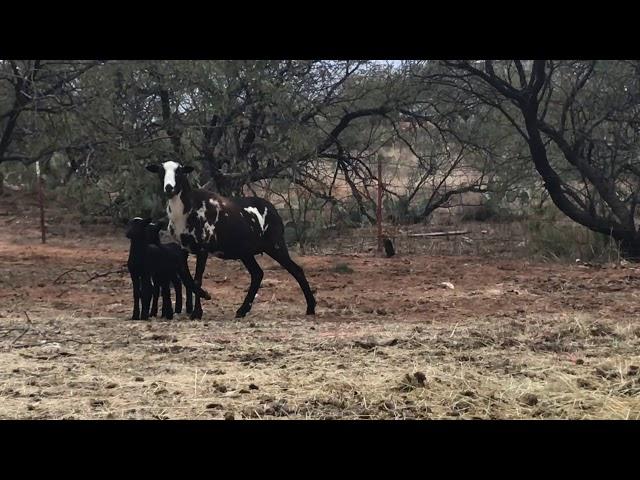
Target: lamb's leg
135 280
167 310
256 278
201 263
147 292
156 294
177 285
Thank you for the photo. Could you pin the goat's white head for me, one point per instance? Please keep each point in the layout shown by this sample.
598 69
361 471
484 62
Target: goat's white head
173 176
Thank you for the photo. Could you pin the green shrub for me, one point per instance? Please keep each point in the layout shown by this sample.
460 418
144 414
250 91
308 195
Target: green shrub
550 235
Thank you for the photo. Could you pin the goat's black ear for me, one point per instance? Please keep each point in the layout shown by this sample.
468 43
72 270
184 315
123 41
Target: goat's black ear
152 167
187 169
147 221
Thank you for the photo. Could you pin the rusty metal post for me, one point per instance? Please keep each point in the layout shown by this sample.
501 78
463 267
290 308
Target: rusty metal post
41 202
379 206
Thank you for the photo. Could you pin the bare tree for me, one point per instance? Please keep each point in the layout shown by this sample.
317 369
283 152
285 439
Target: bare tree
33 93
580 122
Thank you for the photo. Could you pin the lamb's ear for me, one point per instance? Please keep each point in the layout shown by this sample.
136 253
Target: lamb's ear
153 168
187 169
162 224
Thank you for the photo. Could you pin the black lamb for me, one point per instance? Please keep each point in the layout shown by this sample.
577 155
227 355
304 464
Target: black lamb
150 261
179 256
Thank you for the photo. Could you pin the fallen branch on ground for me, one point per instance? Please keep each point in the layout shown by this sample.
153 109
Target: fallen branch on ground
111 272
7 331
79 270
57 341
121 270
438 234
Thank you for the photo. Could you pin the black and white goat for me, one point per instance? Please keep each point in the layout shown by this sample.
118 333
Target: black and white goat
229 228
149 261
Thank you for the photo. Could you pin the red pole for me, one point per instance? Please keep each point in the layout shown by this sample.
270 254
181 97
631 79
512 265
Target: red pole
41 202
379 209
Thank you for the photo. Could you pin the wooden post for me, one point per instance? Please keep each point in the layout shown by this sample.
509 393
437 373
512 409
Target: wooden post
41 201
379 209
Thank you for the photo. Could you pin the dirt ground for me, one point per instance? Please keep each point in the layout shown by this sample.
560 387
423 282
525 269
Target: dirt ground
511 339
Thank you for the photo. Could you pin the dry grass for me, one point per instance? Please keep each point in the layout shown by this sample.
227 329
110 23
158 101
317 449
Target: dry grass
561 366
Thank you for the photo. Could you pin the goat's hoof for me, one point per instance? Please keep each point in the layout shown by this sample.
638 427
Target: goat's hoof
311 311
196 315
206 295
135 317
177 310
241 313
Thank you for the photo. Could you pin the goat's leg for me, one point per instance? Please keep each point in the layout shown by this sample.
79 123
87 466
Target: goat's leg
188 292
256 278
187 279
177 285
135 279
201 263
280 254
147 292
167 310
156 293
